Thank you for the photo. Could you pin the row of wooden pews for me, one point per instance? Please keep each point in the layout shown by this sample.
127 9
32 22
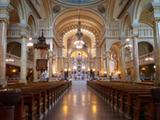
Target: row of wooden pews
37 99
133 101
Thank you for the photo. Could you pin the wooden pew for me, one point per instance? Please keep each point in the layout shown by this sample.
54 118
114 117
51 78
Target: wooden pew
38 98
127 98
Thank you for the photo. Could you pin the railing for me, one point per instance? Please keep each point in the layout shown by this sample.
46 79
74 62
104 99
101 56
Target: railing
47 32
146 33
113 33
17 32
146 59
15 60
13 33
143 60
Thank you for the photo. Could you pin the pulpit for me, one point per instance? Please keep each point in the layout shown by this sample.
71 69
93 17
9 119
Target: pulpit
42 61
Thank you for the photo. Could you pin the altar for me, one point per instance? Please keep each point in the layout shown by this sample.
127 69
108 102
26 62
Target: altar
79 68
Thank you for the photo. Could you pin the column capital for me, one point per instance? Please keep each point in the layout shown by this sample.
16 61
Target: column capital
4 10
24 32
135 31
156 6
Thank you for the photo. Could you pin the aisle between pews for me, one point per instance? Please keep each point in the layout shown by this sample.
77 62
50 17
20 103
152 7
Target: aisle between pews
81 103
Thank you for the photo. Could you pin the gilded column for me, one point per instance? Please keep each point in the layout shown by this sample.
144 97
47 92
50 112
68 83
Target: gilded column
4 16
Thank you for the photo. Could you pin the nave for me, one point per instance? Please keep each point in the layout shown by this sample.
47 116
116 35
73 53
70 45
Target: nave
45 45
82 103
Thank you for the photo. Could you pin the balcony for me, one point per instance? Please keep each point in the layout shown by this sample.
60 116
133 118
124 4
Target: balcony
14 33
16 61
143 60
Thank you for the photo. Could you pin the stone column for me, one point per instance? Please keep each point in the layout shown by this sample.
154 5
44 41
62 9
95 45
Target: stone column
35 64
4 16
135 75
156 5
104 63
23 70
107 60
54 67
98 64
50 64
3 42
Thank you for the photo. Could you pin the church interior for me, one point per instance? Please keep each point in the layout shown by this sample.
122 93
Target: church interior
80 59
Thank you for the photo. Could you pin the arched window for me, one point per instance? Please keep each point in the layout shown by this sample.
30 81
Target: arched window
144 48
14 48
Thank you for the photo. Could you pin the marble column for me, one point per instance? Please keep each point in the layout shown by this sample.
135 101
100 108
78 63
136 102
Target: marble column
107 61
35 64
98 64
104 64
59 64
23 71
4 17
156 6
50 64
157 53
135 74
3 43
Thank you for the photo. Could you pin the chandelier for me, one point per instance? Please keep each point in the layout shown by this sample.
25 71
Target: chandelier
79 42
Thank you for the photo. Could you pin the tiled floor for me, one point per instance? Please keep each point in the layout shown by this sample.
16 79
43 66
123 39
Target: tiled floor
81 103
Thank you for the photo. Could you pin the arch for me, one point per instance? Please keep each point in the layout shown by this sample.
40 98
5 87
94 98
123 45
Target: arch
74 11
126 23
19 6
140 6
32 24
145 15
14 48
15 12
115 57
68 19
144 48
87 33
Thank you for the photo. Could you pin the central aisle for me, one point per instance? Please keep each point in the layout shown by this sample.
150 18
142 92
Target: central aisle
81 103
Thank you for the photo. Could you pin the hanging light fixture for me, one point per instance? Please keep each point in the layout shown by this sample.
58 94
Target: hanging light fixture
79 42
41 44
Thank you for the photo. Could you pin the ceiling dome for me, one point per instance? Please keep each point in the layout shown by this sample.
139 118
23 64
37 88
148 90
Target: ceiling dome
78 2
